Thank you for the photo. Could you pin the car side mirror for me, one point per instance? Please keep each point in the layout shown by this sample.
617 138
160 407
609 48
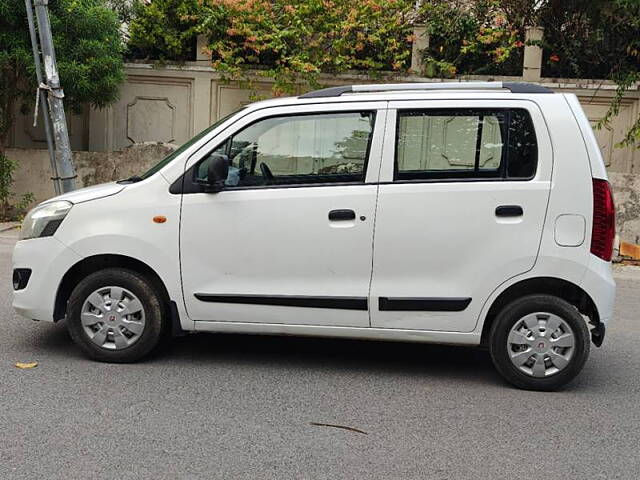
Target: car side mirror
217 172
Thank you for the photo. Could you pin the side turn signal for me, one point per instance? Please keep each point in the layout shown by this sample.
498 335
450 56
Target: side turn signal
159 219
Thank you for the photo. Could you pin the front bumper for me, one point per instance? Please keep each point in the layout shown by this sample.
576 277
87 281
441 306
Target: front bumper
49 259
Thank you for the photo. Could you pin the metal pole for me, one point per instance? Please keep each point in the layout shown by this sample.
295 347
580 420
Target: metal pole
60 134
43 98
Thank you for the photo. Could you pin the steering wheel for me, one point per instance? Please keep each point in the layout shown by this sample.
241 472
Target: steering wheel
266 172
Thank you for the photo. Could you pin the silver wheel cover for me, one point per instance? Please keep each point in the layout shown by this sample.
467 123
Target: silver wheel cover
541 344
113 318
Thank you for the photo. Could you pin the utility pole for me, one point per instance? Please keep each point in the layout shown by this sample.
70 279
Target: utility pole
64 172
42 99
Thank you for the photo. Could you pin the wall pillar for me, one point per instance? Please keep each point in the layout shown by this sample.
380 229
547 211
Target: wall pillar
201 103
201 47
420 43
100 129
532 64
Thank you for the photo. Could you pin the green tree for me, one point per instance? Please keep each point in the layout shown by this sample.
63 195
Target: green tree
604 43
291 41
89 53
470 38
597 39
165 30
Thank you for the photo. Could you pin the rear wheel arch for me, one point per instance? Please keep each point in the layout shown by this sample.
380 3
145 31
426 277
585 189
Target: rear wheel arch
94 263
557 287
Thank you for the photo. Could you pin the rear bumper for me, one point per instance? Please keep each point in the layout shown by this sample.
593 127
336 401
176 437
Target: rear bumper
48 260
599 284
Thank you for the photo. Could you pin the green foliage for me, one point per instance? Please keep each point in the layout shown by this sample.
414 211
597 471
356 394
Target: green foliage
125 11
89 56
7 167
470 38
290 41
300 39
165 29
604 37
8 211
604 43
295 40
624 81
88 50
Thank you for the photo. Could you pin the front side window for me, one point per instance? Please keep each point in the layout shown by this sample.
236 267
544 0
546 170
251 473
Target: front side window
300 149
465 143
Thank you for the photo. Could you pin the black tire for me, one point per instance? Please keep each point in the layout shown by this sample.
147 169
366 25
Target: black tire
143 289
515 311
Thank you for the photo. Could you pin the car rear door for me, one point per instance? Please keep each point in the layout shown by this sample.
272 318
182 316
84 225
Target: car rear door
461 207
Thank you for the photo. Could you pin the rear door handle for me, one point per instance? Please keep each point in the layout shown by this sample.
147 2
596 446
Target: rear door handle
342 215
509 211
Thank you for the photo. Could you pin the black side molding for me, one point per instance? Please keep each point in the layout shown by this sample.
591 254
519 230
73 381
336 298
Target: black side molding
341 303
422 304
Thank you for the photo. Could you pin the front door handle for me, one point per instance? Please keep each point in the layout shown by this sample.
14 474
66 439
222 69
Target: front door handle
509 211
342 215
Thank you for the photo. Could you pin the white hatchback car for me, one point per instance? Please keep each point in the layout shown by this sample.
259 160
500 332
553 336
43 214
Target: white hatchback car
460 213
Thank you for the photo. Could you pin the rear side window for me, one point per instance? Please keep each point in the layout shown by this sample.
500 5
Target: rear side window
465 143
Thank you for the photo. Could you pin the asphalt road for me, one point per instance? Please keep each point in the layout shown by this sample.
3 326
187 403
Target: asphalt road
236 407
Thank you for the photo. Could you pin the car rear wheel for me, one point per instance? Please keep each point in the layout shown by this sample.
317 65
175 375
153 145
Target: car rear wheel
115 315
539 342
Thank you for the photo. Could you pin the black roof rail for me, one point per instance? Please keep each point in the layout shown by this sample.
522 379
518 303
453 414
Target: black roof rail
328 92
523 87
513 87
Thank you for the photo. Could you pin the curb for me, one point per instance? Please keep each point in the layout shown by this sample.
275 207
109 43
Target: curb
9 226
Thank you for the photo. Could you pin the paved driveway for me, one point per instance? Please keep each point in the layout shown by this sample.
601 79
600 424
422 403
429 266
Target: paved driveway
236 407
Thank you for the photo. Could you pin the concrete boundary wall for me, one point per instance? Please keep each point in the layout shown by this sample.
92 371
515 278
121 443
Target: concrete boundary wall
172 103
33 174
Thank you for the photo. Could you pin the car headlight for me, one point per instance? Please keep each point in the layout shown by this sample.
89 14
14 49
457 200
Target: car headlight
44 220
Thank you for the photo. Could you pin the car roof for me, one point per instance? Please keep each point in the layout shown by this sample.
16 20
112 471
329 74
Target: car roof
411 91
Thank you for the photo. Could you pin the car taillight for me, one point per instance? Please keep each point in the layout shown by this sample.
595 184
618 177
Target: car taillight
604 220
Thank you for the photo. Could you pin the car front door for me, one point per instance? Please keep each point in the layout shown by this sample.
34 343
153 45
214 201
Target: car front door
462 201
289 239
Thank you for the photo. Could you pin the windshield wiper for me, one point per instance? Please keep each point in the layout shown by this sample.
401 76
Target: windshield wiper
133 179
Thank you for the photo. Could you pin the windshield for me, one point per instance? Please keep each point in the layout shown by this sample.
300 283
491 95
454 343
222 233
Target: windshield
184 146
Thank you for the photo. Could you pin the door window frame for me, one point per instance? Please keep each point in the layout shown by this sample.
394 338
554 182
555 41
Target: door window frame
186 184
462 174
545 151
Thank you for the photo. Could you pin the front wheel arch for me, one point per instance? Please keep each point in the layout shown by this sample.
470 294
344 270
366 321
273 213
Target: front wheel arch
94 263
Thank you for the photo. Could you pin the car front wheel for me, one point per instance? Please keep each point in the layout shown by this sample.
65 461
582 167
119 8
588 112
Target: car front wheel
115 315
